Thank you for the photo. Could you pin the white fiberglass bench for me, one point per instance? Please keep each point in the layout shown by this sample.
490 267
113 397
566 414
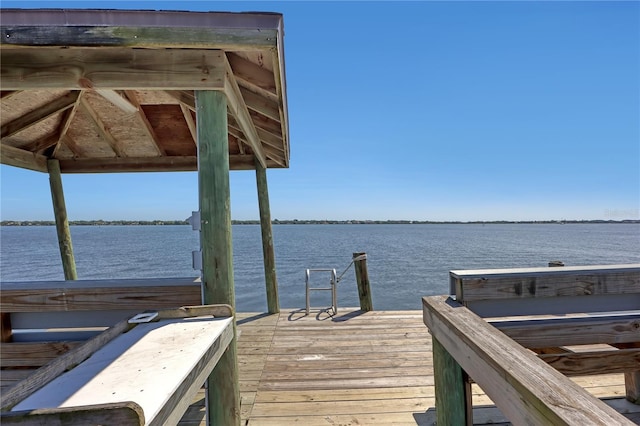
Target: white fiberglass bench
143 371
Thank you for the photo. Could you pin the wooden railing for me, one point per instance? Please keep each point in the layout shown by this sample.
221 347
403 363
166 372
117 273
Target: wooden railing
508 330
42 320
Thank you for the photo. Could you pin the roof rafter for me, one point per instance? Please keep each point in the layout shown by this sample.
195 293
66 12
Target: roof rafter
73 146
139 112
253 77
191 123
264 106
37 115
66 123
119 101
115 145
238 108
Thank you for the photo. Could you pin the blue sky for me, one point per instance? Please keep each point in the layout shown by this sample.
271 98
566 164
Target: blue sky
417 111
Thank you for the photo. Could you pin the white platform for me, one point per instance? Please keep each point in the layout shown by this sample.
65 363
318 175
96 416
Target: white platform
148 365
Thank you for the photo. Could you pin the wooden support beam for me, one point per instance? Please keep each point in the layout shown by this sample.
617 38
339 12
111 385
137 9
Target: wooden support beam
62 222
631 378
142 164
118 100
281 89
191 123
525 388
632 386
271 280
64 128
37 115
112 68
215 241
24 159
362 280
102 129
73 146
453 390
41 144
142 118
239 110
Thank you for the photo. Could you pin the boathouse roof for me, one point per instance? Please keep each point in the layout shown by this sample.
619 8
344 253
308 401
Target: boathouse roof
114 90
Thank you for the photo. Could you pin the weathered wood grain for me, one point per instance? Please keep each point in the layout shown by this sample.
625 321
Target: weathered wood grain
598 362
32 354
524 387
494 284
89 295
566 330
53 369
37 115
112 68
24 159
239 110
453 390
268 253
65 244
215 242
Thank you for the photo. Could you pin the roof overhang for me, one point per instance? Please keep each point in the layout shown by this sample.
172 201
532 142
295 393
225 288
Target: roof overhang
113 90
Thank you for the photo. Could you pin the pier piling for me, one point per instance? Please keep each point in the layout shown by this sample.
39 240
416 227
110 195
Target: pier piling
362 279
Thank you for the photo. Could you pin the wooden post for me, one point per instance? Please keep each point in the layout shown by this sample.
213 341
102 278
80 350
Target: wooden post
223 393
631 378
453 390
632 386
62 223
271 281
362 279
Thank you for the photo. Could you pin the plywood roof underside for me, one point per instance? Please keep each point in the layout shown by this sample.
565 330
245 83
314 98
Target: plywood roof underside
116 91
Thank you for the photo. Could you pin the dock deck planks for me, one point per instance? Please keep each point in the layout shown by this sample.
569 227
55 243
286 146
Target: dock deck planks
354 369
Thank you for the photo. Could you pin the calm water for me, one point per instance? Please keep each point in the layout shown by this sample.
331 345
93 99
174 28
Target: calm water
405 261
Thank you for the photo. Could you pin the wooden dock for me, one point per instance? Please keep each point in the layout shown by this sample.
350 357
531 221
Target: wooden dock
353 369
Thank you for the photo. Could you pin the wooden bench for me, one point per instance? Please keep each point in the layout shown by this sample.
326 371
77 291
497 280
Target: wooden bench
518 332
40 321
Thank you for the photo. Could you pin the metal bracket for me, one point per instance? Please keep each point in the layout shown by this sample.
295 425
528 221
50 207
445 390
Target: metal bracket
143 317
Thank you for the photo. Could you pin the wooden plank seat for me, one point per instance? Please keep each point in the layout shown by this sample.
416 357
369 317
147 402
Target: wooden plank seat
133 373
518 332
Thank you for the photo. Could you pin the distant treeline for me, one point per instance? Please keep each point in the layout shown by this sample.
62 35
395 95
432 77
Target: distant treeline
298 222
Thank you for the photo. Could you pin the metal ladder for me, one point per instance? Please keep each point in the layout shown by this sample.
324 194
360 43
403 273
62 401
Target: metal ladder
333 284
